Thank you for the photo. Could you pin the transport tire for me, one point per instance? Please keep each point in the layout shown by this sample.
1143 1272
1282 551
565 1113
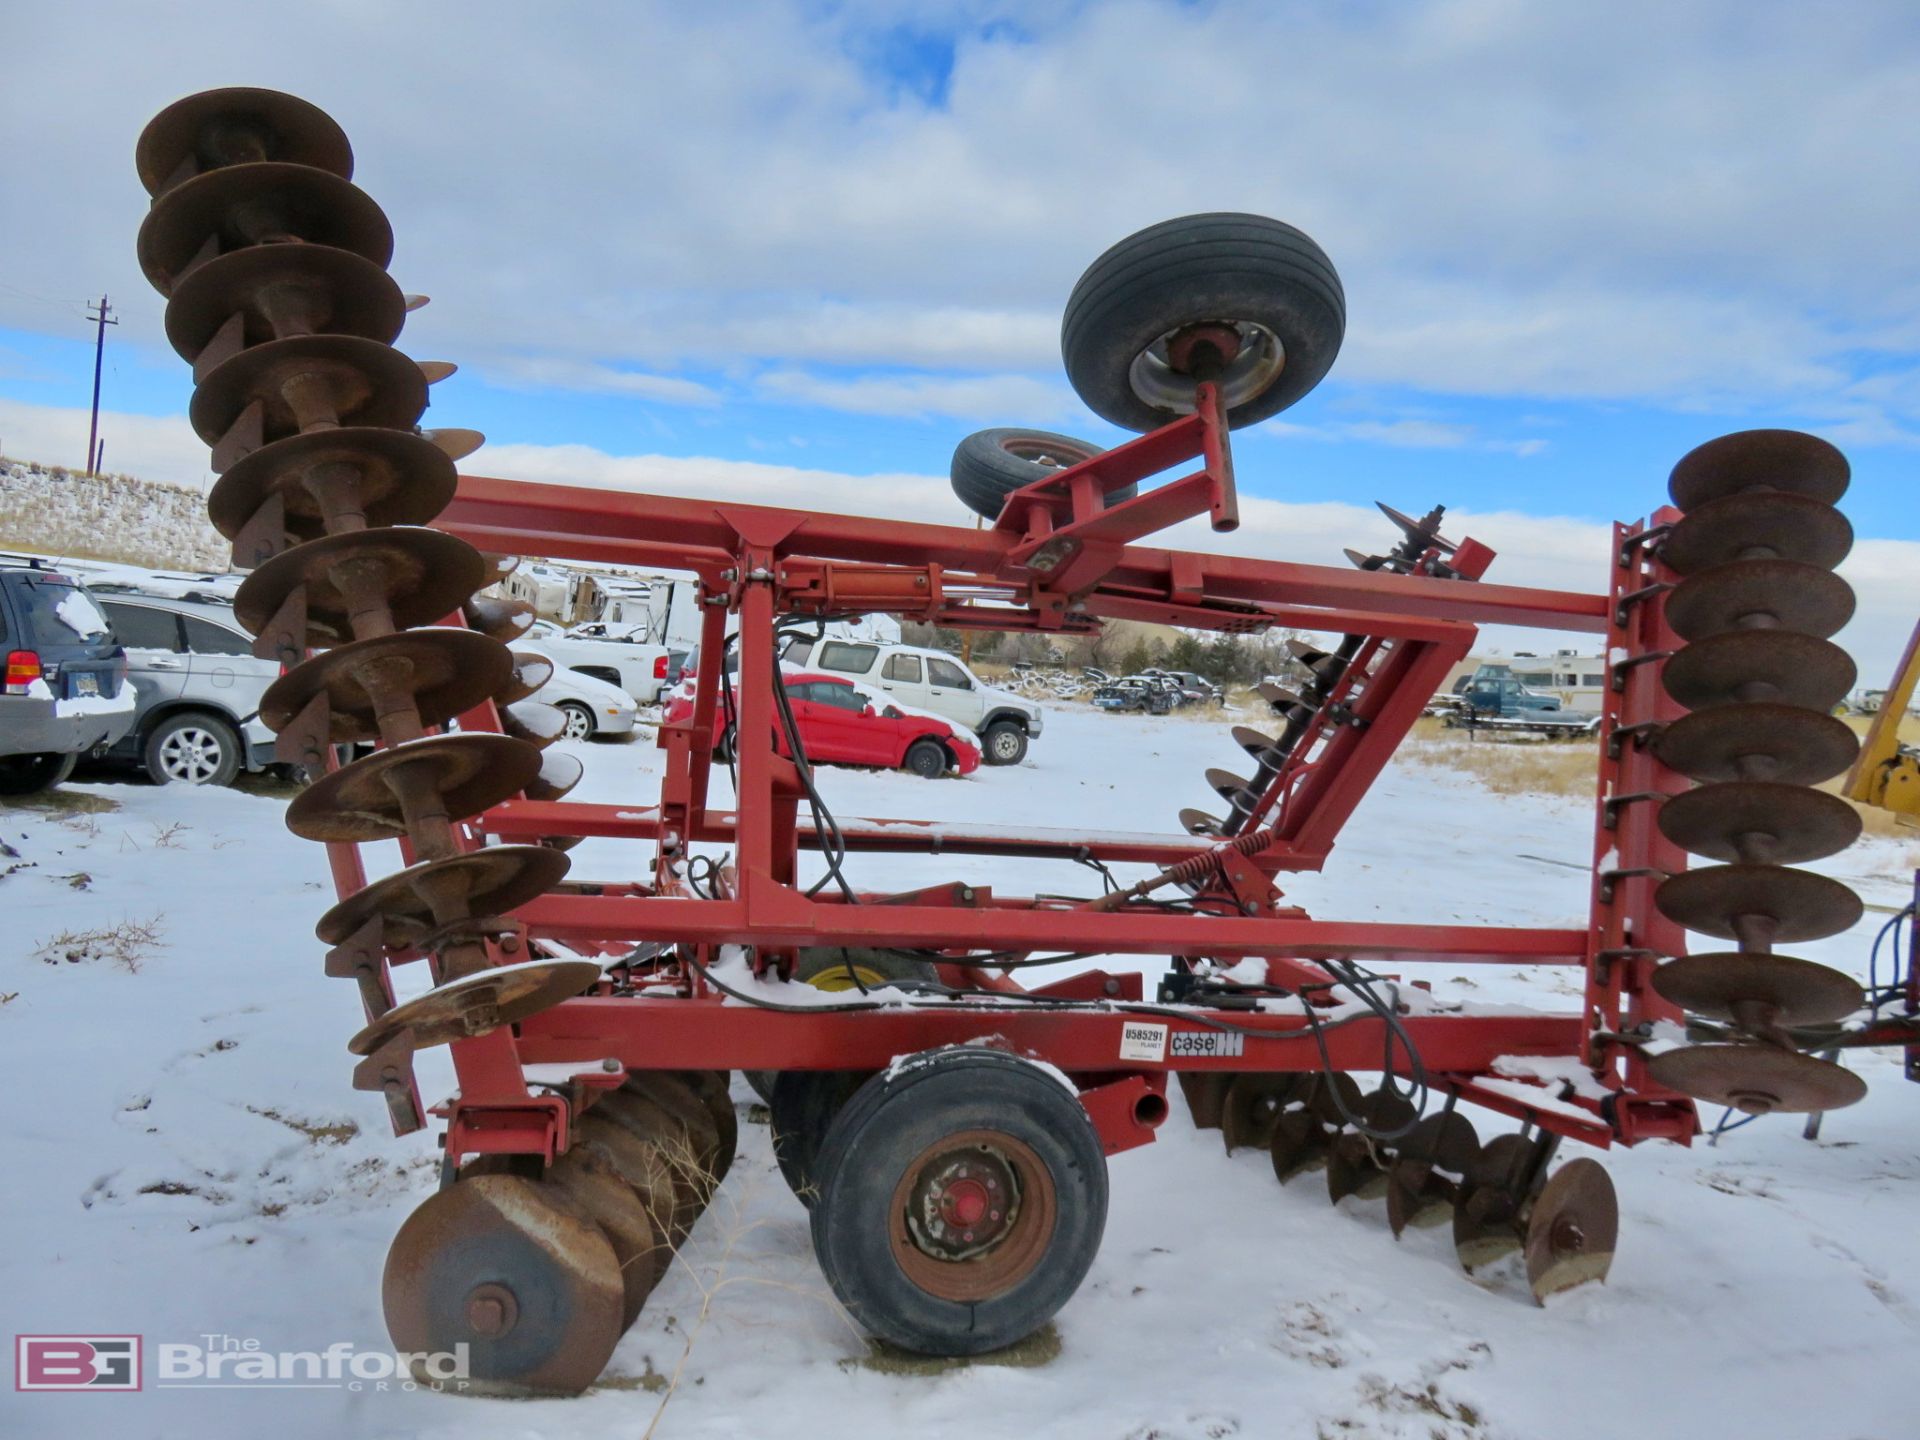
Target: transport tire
912 1228
1005 743
30 774
926 759
847 969
801 1105
580 724
990 465
1263 277
192 748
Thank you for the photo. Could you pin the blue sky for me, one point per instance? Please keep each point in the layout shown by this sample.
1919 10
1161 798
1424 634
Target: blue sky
833 238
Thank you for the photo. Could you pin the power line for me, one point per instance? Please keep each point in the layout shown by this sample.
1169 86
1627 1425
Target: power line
101 320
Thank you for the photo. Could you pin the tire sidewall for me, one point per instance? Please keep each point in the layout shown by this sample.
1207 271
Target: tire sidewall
229 766
995 733
34 773
574 711
922 748
894 1118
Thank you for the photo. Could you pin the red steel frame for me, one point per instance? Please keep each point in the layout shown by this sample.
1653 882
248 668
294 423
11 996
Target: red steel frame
1057 560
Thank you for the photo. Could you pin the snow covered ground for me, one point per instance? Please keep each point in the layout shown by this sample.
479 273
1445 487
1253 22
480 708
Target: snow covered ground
184 1157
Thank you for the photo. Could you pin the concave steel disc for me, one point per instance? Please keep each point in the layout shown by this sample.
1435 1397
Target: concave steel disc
216 128
1759 460
504 619
475 1004
1264 749
393 477
1760 594
1777 666
1302 1135
1355 1163
455 442
533 722
647 1122
1758 820
247 205
1572 1229
558 775
423 576
450 671
638 1247
530 672
1721 984
469 773
516 1271
1251 1108
491 881
1416 1195
1199 822
690 1113
642 1165
1778 904
367 383
1783 743
1232 788
1486 1217
1772 524
716 1093
1757 1079
322 290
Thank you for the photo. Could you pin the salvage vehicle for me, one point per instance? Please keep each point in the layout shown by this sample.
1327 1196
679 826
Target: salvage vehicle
66 693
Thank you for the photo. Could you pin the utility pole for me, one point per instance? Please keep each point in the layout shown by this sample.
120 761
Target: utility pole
102 320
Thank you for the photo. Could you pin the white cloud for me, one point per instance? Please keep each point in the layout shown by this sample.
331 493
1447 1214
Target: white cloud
999 399
1409 433
560 373
153 447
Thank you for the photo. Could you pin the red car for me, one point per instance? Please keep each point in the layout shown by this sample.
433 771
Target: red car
842 724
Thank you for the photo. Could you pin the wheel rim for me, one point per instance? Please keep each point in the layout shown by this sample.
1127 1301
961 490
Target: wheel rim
191 755
972 1216
579 727
1255 366
1006 744
1049 454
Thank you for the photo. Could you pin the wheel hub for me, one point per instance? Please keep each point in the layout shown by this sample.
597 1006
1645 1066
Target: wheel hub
191 755
1242 357
963 1203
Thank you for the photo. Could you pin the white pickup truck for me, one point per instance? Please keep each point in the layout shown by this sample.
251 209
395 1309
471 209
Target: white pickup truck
610 653
930 680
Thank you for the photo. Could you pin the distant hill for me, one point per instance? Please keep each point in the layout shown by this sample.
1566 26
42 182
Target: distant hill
55 511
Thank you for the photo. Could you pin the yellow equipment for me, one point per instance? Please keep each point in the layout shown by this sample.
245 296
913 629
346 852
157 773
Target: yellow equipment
1886 773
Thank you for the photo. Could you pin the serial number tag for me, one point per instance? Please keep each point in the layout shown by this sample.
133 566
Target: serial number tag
1143 1040
86 684
1215 1043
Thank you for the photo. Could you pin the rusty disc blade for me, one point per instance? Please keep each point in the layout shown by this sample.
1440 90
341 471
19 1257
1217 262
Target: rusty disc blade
1434 1158
558 775
1232 789
515 1271
1760 594
421 575
475 1004
533 721
1357 1164
451 671
1770 524
455 443
1758 1079
647 1123
639 1249
315 288
1486 1215
1251 1108
1777 666
530 672
1264 749
239 125
434 371
1760 820
392 477
680 1100
1771 902
469 773
365 383
642 1166
716 1092
1722 984
1199 822
1572 1229
1746 460
505 619
1280 697
1782 743
492 881
247 204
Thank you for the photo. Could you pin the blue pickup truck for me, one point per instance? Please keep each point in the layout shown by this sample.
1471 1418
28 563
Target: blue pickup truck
1494 698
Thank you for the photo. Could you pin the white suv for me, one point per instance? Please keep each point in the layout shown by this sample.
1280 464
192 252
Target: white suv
930 680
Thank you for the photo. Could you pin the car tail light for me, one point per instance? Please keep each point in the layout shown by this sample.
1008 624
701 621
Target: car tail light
23 668
659 667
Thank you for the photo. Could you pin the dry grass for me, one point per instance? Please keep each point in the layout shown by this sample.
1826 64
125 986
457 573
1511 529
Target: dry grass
128 944
1509 766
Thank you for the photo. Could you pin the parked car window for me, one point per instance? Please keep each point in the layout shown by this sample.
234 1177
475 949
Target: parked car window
59 613
206 638
598 672
945 672
903 667
848 659
143 628
845 696
797 651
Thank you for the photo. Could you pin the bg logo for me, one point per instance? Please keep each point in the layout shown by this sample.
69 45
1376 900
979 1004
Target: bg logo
76 1362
